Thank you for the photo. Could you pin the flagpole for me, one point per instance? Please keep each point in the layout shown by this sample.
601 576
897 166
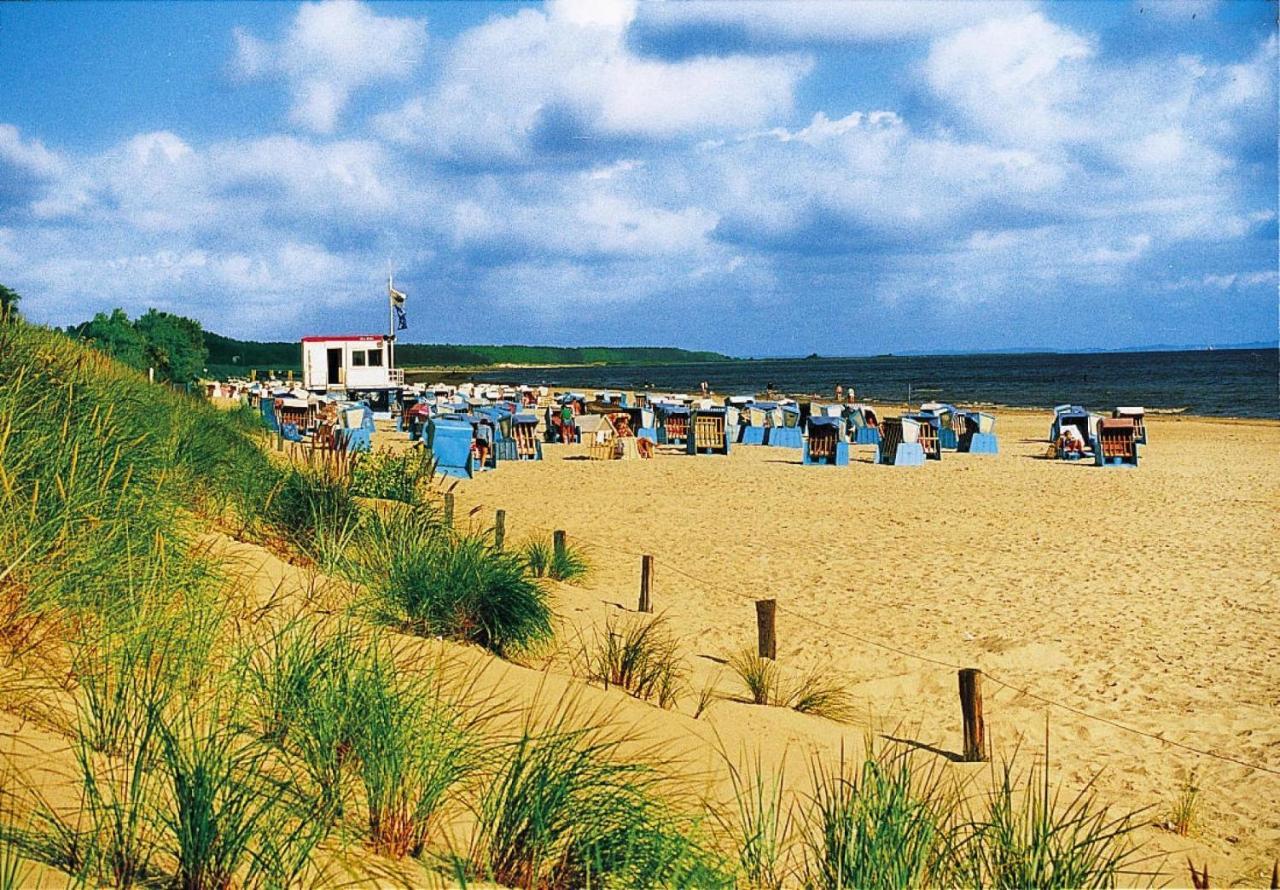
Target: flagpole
391 326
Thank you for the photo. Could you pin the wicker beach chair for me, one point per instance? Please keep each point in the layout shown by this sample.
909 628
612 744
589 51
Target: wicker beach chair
1117 443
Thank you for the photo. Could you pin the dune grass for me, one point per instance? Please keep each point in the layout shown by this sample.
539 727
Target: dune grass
815 692
404 477
568 565
760 823
432 581
565 808
639 655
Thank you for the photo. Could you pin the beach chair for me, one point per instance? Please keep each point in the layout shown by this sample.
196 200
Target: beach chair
1085 424
753 420
294 412
900 443
788 433
1139 418
673 424
827 442
1117 443
450 441
355 427
710 432
975 432
929 437
524 432
863 427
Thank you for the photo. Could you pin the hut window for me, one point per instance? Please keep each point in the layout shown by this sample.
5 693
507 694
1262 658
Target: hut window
357 358
375 358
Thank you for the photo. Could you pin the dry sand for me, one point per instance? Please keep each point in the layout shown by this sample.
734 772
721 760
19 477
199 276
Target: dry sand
1145 597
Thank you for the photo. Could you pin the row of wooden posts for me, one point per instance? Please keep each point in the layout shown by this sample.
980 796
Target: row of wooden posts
970 679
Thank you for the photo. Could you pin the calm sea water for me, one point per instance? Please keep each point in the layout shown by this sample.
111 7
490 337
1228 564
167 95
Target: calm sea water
1226 382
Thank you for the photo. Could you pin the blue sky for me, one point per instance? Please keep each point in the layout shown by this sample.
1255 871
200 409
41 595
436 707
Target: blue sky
776 177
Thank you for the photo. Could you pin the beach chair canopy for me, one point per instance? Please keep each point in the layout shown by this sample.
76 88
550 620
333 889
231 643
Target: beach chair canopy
823 422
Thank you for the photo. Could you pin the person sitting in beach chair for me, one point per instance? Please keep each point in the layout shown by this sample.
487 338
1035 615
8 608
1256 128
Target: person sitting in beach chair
1070 441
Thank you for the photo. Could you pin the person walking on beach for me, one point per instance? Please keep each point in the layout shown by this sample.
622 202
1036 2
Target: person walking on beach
706 389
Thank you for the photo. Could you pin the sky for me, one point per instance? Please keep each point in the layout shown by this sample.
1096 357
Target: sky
757 178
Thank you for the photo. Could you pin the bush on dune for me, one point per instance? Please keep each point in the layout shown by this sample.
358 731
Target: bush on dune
432 581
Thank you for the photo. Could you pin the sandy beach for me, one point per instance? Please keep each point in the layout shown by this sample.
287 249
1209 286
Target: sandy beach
1144 598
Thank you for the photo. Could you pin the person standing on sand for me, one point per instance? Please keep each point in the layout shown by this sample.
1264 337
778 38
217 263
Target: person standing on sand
839 393
706 389
852 397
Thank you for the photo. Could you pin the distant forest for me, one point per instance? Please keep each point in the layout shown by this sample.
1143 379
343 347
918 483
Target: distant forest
225 352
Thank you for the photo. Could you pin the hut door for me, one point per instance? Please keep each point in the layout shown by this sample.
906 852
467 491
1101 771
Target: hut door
335 366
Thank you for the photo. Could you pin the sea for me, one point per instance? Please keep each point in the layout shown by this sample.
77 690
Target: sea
1216 382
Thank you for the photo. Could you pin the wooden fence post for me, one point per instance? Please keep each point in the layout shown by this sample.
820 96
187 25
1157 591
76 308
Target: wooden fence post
975 748
558 538
646 578
766 630
448 509
499 529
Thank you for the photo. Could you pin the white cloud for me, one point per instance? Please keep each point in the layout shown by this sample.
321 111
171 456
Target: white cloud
824 21
558 80
330 50
28 155
1019 79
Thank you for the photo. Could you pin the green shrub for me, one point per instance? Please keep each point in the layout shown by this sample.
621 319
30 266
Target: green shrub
431 582
398 477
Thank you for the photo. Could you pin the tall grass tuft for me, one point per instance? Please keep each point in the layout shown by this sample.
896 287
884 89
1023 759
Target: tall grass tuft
564 808
1185 812
229 820
638 655
1030 836
413 748
317 512
760 825
435 583
882 824
815 692
568 565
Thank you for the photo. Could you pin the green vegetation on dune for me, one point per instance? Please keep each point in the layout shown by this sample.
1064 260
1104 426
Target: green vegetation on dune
219 741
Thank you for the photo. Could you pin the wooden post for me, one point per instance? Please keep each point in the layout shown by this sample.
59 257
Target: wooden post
975 748
646 578
558 538
766 631
448 509
499 529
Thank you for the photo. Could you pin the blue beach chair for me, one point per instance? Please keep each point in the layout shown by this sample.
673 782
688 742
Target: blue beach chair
827 442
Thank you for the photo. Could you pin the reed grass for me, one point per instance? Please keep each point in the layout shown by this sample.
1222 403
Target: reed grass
433 582
569 565
1184 814
760 825
640 656
1031 835
815 692
228 819
565 808
413 748
883 823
